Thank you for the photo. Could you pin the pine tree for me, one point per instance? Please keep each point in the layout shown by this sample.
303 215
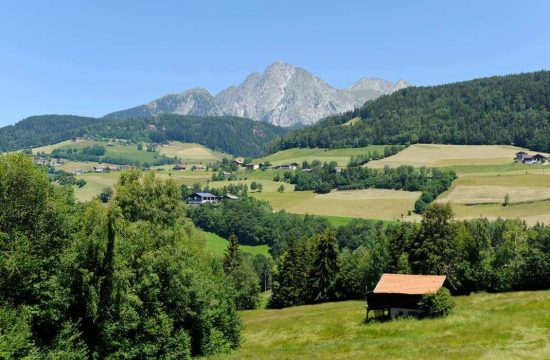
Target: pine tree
233 255
289 281
325 268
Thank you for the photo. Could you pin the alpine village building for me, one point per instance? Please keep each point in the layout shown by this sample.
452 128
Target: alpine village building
399 294
200 198
530 159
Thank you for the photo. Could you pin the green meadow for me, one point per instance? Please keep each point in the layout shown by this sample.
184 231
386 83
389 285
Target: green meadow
216 245
481 326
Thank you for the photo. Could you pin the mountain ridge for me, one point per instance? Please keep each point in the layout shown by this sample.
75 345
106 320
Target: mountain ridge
282 95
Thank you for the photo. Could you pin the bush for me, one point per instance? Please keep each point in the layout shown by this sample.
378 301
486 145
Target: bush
438 304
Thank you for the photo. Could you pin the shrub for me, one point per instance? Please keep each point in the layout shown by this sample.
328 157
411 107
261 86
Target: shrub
438 304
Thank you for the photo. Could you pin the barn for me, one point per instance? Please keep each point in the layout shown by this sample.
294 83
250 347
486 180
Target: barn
398 294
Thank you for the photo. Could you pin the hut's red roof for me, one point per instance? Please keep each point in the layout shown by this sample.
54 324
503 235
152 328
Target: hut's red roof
409 284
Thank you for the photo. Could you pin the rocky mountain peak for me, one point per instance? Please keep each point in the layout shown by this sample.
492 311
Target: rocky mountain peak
283 95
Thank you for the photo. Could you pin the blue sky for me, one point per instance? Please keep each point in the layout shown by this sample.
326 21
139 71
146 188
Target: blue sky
94 57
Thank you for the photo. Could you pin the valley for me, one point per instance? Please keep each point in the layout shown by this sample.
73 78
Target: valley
486 174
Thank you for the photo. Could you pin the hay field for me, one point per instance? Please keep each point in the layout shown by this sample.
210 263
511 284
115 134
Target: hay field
341 156
477 196
369 203
449 155
191 153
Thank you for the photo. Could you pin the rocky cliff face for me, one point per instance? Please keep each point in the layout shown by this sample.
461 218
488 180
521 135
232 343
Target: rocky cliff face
282 95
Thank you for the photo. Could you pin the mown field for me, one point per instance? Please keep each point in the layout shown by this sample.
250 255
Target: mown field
475 196
191 153
482 326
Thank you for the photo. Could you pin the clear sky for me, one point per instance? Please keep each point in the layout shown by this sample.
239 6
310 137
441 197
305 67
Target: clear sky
89 57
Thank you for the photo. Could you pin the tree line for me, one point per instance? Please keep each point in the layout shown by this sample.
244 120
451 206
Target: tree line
512 109
476 255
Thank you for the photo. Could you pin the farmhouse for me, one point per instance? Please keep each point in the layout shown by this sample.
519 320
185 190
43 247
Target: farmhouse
199 198
291 166
179 168
399 294
533 159
520 155
253 166
238 162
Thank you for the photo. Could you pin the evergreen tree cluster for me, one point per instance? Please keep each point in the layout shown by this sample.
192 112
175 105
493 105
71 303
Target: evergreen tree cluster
512 109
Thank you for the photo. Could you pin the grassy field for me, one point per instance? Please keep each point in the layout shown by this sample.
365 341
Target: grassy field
370 203
450 155
217 245
341 156
192 153
482 326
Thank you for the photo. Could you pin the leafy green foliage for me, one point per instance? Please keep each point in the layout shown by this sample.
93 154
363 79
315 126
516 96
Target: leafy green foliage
494 110
131 280
439 304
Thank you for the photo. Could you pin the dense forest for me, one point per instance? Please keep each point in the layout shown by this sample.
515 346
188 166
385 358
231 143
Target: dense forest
233 135
42 130
512 109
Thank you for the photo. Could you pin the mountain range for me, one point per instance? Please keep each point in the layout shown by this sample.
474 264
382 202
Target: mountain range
282 95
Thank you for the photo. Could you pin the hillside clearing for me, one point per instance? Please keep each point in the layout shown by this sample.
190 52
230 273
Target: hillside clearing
490 326
438 155
216 245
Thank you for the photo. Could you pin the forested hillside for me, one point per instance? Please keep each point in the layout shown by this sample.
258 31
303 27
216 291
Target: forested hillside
229 134
512 109
43 130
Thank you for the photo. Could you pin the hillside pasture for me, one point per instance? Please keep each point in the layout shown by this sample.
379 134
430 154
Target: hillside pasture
298 155
482 326
437 155
191 153
95 183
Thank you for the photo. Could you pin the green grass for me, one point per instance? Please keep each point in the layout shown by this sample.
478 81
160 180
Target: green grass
341 156
217 245
489 326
